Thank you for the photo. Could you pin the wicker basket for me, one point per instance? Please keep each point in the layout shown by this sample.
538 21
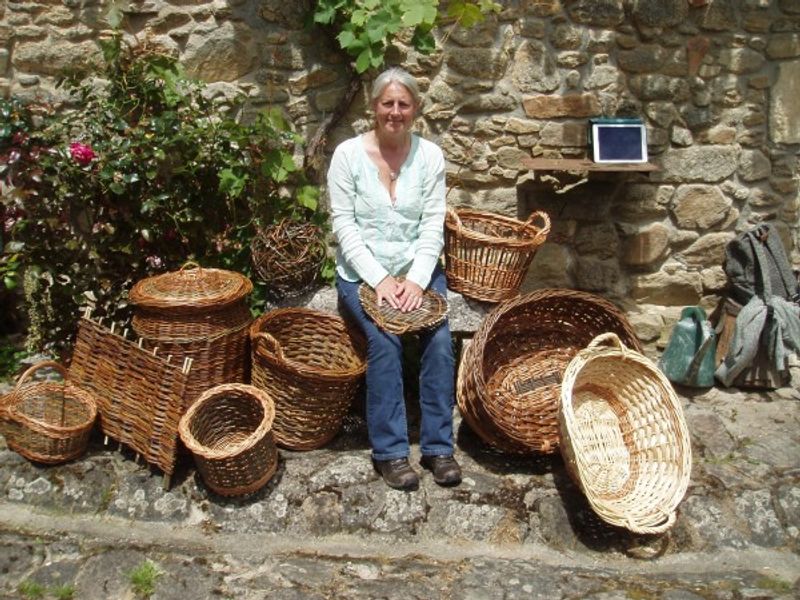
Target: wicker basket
228 431
488 255
624 437
47 421
140 393
200 314
288 257
432 312
312 365
509 380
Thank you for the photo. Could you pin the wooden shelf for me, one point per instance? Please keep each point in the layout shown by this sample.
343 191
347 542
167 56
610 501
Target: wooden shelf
584 164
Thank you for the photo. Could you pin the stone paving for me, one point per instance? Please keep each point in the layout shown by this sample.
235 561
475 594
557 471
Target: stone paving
327 527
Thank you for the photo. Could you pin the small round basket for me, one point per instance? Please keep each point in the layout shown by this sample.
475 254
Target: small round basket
288 257
312 364
228 430
509 380
624 436
432 312
488 255
47 421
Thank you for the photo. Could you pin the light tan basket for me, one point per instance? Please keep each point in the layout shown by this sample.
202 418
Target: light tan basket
431 313
624 437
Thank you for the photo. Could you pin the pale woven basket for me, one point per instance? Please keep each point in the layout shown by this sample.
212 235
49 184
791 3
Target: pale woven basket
624 437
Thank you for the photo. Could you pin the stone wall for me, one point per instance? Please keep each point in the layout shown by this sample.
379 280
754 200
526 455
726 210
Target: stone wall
716 80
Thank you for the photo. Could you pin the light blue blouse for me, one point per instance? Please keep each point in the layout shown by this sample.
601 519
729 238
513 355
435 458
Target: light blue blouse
376 238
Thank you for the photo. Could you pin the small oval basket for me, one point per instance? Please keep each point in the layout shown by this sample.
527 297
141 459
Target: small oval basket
624 437
228 430
488 255
47 421
432 312
312 364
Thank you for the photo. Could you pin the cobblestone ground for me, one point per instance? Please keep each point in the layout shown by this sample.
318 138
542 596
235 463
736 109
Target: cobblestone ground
327 527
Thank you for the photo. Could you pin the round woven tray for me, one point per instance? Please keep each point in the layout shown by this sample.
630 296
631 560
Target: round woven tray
432 312
312 365
47 421
488 255
228 430
509 379
624 437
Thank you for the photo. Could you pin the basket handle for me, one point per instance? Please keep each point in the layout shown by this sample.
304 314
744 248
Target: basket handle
545 229
452 214
271 344
669 520
192 264
45 364
609 339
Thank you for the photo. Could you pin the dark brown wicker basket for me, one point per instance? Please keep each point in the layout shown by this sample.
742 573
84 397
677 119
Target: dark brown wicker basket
228 430
201 314
312 365
432 312
288 257
139 393
509 380
488 255
47 421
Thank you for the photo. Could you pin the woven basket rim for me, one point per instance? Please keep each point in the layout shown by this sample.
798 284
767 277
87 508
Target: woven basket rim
528 235
659 520
397 322
211 394
296 367
10 402
159 291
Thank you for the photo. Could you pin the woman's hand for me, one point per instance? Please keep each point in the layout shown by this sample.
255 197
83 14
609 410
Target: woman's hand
387 290
408 295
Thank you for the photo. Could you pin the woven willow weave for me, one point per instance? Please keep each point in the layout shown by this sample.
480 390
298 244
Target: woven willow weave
311 364
509 379
624 436
228 430
432 312
47 421
488 255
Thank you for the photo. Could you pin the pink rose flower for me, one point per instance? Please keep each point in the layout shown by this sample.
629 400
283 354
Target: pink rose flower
81 153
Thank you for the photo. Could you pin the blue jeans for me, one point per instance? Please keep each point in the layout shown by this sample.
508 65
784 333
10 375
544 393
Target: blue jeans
386 409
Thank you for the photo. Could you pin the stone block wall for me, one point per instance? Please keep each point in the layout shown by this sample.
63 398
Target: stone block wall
716 81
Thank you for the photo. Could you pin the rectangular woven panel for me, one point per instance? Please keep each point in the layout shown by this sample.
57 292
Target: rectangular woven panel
139 394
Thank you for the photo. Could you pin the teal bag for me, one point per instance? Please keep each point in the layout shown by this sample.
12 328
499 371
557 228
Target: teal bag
689 358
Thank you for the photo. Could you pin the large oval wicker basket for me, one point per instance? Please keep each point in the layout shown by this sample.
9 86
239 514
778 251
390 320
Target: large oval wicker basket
228 430
47 421
509 379
488 255
312 365
624 436
201 314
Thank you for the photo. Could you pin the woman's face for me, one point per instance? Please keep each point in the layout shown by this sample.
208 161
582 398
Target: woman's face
394 109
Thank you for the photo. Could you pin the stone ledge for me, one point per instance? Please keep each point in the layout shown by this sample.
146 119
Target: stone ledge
465 315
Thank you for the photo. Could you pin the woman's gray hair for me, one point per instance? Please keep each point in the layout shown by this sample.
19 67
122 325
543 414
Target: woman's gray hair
391 75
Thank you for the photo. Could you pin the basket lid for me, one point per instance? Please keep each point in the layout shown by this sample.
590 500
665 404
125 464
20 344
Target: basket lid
196 287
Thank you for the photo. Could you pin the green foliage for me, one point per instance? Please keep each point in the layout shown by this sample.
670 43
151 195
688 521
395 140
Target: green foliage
143 578
64 592
10 359
367 27
31 589
147 174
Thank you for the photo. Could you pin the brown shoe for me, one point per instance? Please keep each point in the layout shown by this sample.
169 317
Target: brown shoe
445 469
397 473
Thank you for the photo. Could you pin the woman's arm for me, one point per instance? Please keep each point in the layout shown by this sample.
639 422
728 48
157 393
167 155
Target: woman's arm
342 193
431 225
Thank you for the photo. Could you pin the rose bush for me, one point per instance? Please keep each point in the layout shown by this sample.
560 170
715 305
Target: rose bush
147 173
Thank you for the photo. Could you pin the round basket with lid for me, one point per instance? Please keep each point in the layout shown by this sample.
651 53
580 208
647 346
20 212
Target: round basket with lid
201 314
